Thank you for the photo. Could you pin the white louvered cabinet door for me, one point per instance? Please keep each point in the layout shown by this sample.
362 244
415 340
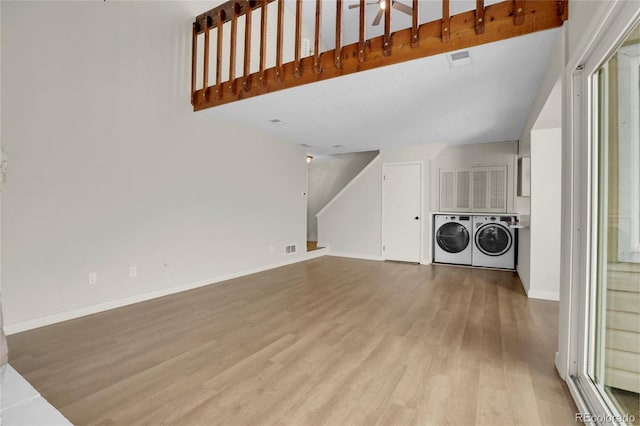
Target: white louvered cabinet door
447 190
463 190
489 189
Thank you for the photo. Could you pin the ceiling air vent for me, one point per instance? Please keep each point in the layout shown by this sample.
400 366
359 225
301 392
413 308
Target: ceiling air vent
459 59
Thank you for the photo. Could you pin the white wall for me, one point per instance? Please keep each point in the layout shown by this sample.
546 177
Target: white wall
350 224
546 175
109 167
328 174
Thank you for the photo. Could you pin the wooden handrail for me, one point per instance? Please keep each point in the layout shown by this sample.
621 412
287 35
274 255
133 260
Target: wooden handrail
484 24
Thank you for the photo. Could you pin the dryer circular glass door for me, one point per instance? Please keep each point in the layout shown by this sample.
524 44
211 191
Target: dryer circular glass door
452 237
493 239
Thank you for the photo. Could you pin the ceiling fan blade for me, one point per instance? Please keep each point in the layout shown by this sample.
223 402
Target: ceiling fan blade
402 7
378 18
355 6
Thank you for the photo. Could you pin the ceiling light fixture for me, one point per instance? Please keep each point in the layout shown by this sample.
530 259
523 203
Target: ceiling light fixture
309 159
277 122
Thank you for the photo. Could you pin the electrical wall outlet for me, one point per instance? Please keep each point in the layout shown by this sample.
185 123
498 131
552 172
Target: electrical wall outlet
93 278
133 271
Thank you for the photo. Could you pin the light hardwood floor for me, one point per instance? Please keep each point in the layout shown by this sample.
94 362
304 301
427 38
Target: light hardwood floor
329 341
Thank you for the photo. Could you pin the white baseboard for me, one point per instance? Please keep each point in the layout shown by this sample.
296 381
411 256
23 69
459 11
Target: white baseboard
355 256
545 295
21 326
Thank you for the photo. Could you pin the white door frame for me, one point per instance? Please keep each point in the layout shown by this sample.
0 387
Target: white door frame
611 24
382 233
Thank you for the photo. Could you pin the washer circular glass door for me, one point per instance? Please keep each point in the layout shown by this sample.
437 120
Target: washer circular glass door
452 237
493 239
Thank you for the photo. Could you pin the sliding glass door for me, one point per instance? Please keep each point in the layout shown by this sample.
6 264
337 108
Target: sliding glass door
607 354
615 357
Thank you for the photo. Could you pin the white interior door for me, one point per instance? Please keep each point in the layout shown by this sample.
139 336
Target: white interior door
402 212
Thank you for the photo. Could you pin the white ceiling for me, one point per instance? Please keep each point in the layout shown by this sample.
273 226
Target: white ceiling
418 102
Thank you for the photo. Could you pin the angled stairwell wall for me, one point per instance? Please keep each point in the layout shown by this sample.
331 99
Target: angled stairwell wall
328 175
350 223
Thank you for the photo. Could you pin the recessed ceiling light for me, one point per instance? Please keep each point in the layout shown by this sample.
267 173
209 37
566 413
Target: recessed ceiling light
277 122
459 59
305 145
337 146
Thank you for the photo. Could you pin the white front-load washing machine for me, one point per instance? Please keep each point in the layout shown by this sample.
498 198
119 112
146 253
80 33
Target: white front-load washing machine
494 242
452 239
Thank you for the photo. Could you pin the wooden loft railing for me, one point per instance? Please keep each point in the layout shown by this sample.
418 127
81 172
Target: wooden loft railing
483 25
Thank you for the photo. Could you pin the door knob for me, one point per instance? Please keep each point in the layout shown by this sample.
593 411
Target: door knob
417 218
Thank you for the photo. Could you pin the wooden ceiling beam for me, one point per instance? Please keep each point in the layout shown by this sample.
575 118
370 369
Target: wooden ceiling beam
499 25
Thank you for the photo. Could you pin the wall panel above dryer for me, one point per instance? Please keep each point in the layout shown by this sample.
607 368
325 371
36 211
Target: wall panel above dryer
477 189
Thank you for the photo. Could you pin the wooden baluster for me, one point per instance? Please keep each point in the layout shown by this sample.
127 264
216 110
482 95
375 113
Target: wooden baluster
338 51
361 39
218 91
279 32
414 25
263 41
205 75
297 72
247 46
563 9
446 23
232 55
194 59
316 45
518 12
479 17
219 23
386 41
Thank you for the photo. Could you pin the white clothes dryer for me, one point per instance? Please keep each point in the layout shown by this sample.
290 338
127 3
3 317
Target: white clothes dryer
452 239
494 242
